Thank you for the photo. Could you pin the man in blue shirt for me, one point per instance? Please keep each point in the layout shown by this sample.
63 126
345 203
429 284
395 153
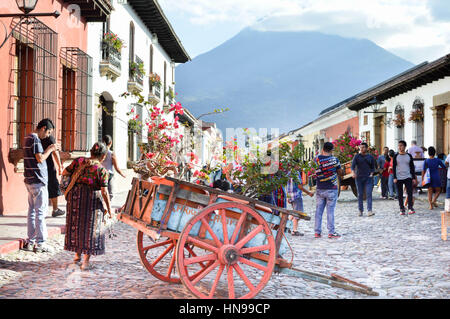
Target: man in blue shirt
326 189
363 166
294 197
36 179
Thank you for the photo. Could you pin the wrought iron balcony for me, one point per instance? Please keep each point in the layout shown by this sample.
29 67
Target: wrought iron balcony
136 75
110 65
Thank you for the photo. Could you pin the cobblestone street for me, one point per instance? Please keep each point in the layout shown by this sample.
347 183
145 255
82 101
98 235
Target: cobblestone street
398 256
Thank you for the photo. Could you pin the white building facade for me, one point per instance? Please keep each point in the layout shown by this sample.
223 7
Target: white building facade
151 46
424 90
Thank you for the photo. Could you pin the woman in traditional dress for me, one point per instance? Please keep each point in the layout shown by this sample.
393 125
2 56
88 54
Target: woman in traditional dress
85 211
433 164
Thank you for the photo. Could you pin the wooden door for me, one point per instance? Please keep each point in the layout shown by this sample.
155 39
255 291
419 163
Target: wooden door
382 134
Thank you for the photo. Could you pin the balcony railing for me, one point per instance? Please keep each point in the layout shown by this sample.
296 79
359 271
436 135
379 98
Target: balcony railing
110 66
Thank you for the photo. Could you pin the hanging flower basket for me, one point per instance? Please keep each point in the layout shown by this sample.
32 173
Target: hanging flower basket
399 120
155 80
416 116
112 40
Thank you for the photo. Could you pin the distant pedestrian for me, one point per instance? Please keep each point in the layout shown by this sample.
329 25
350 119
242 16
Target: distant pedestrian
295 198
404 175
327 189
53 171
391 186
381 160
443 173
433 164
36 180
85 233
415 151
363 167
110 163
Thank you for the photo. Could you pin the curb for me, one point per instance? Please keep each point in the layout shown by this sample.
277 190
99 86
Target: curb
17 244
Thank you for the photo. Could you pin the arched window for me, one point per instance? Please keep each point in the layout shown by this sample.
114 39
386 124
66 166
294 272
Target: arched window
131 58
417 117
399 123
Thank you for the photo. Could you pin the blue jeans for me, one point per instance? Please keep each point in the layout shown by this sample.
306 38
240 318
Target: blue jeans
391 186
297 204
448 189
37 210
328 198
364 183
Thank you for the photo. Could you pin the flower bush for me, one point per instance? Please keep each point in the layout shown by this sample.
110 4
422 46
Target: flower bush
112 40
136 68
346 147
416 116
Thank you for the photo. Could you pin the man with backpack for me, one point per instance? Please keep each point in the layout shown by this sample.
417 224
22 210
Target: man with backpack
404 176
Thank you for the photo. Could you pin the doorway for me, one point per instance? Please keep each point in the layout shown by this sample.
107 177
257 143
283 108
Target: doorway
106 126
379 132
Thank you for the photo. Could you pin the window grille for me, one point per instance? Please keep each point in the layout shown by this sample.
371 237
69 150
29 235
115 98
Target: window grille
76 99
35 76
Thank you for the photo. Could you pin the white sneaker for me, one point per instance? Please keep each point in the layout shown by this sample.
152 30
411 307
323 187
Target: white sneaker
370 213
43 248
28 247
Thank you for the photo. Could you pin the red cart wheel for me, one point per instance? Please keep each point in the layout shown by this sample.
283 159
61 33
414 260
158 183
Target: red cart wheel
228 255
159 258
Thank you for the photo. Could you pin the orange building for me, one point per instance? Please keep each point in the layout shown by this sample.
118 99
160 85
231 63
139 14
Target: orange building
45 72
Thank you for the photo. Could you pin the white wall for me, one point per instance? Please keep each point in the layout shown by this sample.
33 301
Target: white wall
120 24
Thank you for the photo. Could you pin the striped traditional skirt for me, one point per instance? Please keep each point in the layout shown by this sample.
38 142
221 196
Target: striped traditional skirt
85 231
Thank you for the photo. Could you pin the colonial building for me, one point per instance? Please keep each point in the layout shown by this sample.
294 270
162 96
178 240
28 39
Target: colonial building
148 49
415 106
331 123
46 73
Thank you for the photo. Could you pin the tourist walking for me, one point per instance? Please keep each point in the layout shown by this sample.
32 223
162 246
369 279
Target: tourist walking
54 190
110 163
36 180
404 175
415 151
433 164
326 189
391 186
295 198
85 233
381 160
363 167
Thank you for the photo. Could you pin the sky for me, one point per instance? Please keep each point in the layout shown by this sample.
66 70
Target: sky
416 30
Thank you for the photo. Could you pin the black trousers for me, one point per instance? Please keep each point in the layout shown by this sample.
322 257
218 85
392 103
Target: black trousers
384 186
409 191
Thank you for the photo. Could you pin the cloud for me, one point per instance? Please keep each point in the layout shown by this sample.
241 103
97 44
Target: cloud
423 26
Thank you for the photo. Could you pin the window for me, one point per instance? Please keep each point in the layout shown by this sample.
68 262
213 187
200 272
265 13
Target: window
34 70
418 127
76 98
165 81
365 136
131 52
366 120
151 67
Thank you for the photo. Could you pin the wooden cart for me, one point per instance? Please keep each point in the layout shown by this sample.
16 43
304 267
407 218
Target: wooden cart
215 241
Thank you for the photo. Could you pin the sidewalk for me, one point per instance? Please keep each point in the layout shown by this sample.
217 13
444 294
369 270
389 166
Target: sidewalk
13 228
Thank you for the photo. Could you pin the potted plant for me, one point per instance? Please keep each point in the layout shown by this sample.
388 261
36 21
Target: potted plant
399 120
113 41
416 116
155 80
170 93
137 68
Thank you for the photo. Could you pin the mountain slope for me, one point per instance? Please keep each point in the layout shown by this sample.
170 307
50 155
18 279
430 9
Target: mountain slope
281 79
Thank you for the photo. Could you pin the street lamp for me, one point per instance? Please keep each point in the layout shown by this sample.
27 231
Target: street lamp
375 105
26 6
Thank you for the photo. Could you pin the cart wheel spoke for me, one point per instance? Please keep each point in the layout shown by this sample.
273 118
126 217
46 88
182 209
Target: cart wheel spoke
244 277
202 244
162 255
216 281
249 236
231 294
172 263
238 226
224 226
193 254
194 260
252 264
213 235
250 250
205 272
163 243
